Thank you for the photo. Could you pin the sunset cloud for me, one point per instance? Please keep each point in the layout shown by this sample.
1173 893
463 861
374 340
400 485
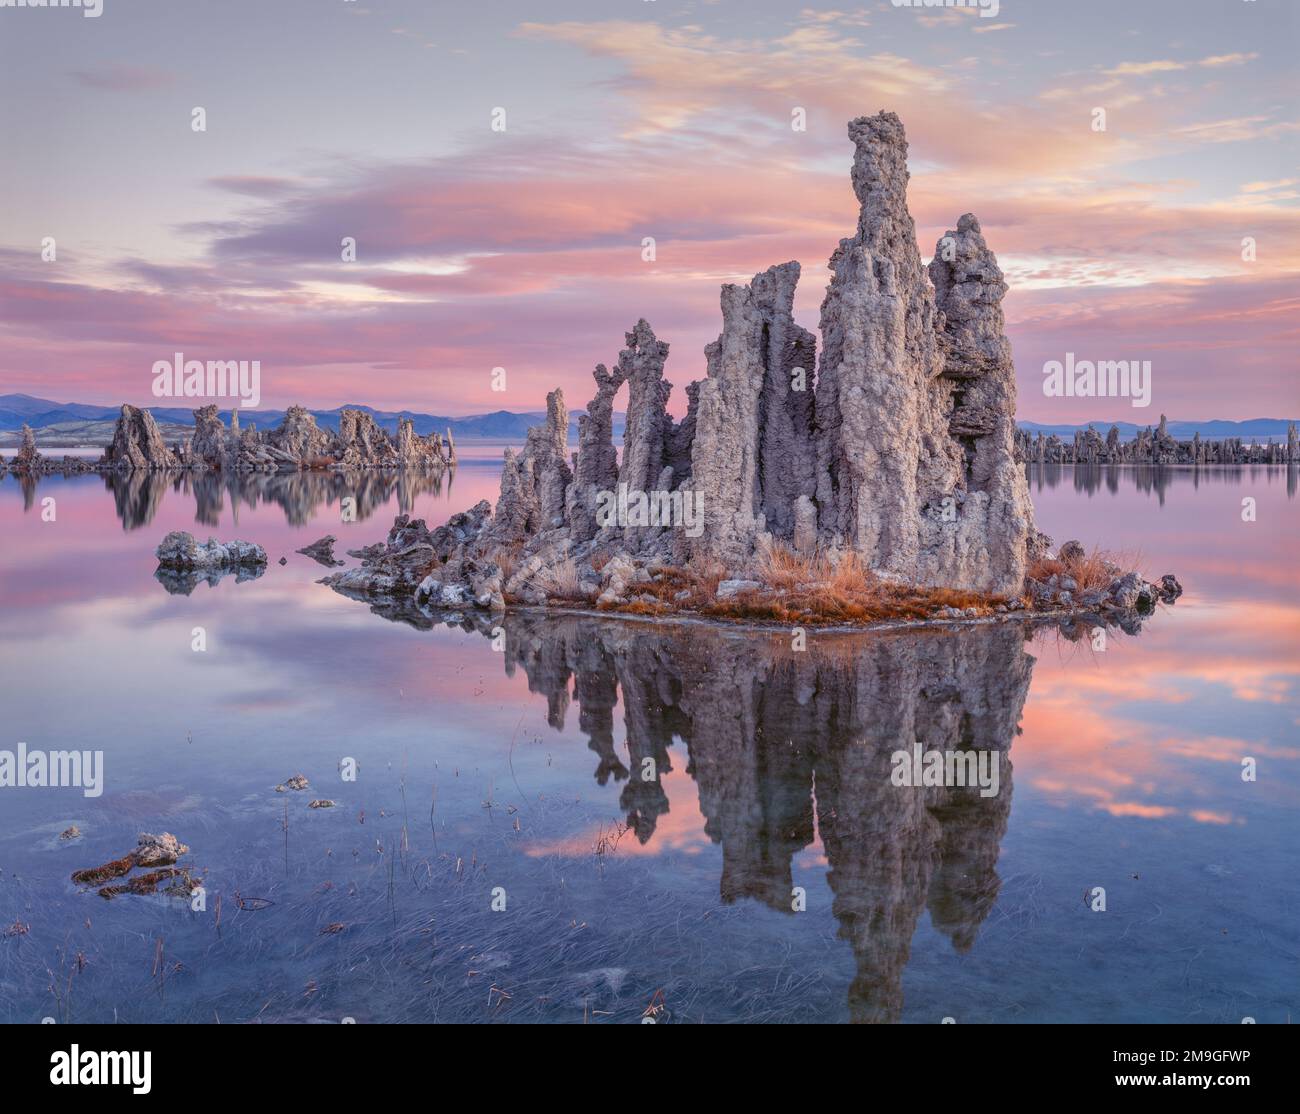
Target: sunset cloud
524 249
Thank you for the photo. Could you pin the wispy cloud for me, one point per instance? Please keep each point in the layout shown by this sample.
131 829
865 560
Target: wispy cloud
118 78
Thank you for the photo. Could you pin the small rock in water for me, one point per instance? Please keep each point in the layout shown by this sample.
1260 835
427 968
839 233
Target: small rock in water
322 551
150 850
295 782
71 833
158 850
321 804
179 550
284 560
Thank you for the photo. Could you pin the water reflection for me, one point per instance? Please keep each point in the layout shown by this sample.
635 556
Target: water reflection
769 770
303 496
791 749
1154 479
300 495
182 582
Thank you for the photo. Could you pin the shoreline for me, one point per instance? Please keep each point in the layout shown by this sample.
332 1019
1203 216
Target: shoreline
768 626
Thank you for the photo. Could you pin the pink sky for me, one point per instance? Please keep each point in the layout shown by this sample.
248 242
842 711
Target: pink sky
522 249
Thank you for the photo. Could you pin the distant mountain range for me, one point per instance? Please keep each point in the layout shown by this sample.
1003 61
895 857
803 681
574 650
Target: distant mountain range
1253 429
88 424
69 423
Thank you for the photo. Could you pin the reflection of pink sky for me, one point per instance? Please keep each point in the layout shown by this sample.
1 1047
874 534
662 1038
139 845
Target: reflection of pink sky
1127 732
680 829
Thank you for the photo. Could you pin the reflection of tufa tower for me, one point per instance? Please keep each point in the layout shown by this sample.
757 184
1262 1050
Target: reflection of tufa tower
773 735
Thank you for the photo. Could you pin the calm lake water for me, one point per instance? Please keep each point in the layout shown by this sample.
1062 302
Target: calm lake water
650 803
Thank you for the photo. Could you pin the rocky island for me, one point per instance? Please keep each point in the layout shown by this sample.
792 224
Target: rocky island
876 480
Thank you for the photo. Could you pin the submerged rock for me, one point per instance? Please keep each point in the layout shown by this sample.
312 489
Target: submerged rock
416 559
322 551
150 850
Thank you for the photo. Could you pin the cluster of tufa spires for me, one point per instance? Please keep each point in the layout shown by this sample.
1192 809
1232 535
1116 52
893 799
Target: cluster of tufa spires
297 444
896 445
1152 446
900 448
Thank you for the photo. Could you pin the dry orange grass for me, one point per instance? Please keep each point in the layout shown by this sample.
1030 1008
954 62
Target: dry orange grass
1092 571
800 590
779 566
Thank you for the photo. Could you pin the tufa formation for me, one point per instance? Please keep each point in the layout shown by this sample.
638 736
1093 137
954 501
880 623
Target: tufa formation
897 445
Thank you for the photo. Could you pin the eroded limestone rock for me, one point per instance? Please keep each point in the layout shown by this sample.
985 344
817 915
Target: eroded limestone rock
753 454
180 550
901 450
27 459
138 443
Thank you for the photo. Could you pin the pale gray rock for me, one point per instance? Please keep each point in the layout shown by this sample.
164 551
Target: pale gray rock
919 481
322 551
535 482
414 451
412 553
158 850
180 550
137 443
753 455
596 464
993 531
210 445
299 438
1071 551
647 426
362 442
27 459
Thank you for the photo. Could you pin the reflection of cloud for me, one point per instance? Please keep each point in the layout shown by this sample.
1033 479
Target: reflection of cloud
118 78
1146 812
679 829
1205 816
1129 731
